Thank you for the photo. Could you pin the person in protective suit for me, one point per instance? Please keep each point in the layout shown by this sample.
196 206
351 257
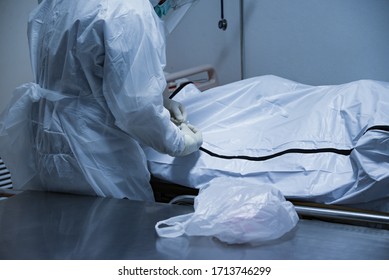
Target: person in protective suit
95 102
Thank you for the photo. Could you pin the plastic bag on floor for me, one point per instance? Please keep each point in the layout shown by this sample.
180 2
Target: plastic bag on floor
235 213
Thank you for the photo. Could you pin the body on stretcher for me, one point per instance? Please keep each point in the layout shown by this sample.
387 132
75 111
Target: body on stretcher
321 144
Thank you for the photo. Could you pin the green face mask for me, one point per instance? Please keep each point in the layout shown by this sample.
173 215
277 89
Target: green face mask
162 9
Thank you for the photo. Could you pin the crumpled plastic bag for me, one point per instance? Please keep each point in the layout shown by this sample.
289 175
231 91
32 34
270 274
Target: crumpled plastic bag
234 212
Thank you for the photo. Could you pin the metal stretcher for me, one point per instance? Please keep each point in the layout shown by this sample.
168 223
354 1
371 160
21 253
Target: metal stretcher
47 226
43 225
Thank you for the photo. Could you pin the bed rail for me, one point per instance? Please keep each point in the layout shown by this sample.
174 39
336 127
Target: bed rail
5 181
203 76
5 176
329 213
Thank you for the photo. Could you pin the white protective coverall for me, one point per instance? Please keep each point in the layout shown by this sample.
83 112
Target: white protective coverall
96 100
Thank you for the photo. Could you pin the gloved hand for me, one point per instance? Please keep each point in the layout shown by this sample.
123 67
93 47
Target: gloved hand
177 110
193 138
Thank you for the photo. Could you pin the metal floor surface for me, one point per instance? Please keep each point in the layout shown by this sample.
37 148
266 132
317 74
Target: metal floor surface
46 226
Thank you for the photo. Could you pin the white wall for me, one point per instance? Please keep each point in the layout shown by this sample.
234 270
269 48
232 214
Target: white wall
14 57
317 41
197 40
309 41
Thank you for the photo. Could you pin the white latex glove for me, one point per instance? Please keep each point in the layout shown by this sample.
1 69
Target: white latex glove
193 138
177 110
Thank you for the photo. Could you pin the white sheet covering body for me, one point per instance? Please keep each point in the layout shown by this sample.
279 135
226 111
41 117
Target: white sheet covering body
327 144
